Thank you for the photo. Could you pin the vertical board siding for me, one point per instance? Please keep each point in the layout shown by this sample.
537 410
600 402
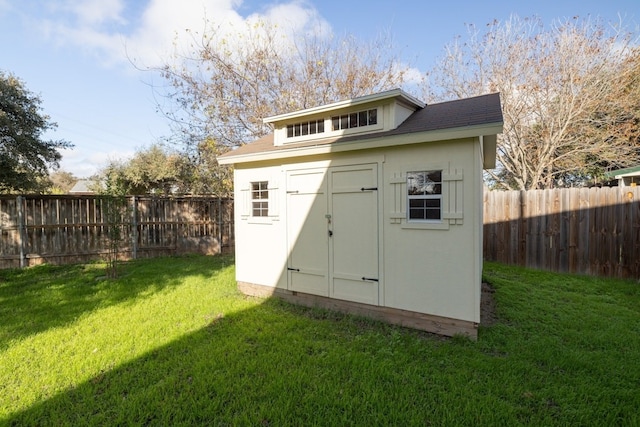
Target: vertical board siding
67 229
592 231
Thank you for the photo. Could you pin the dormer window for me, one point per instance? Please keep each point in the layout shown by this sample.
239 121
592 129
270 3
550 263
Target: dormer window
354 120
349 118
305 128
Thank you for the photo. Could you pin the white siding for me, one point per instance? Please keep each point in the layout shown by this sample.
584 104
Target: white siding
260 254
434 270
427 268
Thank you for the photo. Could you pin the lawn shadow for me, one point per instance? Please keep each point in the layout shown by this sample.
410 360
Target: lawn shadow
272 363
36 299
234 373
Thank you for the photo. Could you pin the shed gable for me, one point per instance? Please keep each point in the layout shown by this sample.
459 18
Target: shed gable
359 116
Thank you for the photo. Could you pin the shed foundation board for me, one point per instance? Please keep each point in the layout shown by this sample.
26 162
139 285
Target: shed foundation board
410 319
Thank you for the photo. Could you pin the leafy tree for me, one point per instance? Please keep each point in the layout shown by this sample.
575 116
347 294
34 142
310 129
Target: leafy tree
204 175
565 112
25 156
62 182
160 170
151 171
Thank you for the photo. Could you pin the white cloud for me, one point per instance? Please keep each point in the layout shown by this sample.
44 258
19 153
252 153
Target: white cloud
294 18
118 33
83 164
412 75
5 6
92 12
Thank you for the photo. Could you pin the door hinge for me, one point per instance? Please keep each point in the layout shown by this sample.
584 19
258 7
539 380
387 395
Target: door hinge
370 279
369 189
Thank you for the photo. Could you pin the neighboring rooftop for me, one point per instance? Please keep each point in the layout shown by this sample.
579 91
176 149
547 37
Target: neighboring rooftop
83 186
621 173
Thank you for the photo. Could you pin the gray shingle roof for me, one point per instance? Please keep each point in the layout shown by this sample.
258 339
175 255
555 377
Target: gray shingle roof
475 111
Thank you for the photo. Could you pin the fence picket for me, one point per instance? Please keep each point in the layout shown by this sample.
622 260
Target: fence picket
587 231
64 229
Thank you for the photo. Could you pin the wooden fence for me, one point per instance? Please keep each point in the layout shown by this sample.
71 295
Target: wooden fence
65 229
592 231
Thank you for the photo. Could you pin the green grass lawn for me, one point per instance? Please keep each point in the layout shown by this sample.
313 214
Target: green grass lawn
171 342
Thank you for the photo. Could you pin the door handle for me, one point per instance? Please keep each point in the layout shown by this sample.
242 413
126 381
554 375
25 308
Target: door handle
330 233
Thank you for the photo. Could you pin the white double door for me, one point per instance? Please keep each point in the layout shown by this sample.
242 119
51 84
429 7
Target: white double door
332 232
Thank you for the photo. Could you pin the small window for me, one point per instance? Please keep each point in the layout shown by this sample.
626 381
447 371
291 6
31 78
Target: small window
362 118
305 128
344 121
335 122
424 192
354 120
260 198
373 117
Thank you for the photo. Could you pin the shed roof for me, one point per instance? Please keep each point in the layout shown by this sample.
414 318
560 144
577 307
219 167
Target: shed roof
479 111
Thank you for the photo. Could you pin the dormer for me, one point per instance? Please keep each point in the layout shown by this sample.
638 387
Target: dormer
364 115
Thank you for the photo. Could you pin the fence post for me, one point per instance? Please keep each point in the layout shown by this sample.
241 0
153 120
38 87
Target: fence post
21 230
134 227
522 229
219 220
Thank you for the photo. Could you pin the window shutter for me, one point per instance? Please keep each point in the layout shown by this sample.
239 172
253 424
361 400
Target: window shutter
274 206
453 209
245 201
398 183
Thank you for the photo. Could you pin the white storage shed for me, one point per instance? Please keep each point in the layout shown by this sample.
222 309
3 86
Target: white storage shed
370 206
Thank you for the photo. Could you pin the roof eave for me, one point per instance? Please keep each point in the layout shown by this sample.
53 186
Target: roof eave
369 143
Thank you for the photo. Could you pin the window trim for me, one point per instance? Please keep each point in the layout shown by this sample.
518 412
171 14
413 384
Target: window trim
306 129
344 120
260 197
291 133
425 196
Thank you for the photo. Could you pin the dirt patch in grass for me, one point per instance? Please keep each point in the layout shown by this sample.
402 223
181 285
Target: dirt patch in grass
487 305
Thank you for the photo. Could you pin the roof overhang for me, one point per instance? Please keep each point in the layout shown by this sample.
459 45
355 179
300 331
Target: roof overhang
488 133
489 146
626 175
623 173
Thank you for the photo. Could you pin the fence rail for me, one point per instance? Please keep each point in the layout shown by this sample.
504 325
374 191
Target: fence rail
64 229
592 231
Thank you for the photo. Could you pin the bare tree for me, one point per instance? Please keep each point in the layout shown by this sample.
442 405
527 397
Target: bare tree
555 83
222 88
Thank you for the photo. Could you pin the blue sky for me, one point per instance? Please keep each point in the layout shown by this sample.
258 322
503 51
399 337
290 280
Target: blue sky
73 53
